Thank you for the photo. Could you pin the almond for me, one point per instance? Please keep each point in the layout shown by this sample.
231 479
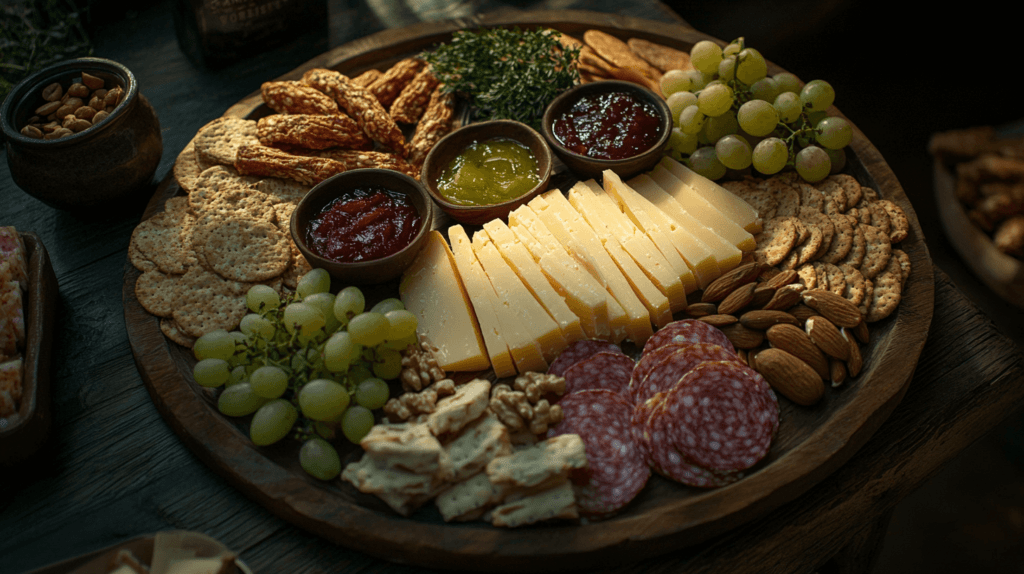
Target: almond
742 337
783 278
790 377
862 333
720 288
701 309
785 297
719 320
762 295
761 319
855 361
827 337
837 309
838 371
738 299
802 312
795 342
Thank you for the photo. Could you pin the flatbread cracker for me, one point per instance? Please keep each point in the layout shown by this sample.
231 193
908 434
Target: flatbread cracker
659 56
218 141
617 53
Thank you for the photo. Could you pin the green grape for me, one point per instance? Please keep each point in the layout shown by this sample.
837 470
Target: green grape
261 298
679 100
316 281
733 47
766 89
817 95
306 319
727 69
269 382
238 375
401 324
386 305
834 133
218 344
372 393
682 142
789 107
239 400
368 329
838 159
324 301
733 151
705 56
715 100
697 80
325 430
813 164
752 66
718 127
272 422
319 459
254 325
400 344
387 364
340 351
348 303
356 423
788 82
758 118
706 163
211 372
770 156
358 373
323 400
691 120
674 81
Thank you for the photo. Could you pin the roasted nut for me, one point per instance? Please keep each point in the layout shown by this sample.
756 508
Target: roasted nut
96 102
795 342
419 367
32 132
697 310
803 312
413 404
742 337
99 117
827 337
855 361
85 113
48 108
69 107
836 308
720 288
762 295
512 408
763 320
862 333
783 278
538 385
790 376
112 97
79 125
100 93
738 299
838 371
785 297
50 127
68 120
92 82
58 133
78 90
53 92
719 320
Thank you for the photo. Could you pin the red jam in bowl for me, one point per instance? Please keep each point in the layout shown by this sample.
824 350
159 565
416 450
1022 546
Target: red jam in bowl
615 125
363 225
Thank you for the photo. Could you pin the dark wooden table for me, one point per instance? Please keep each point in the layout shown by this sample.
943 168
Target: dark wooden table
114 470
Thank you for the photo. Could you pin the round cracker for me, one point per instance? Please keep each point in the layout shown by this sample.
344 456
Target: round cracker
785 195
869 289
186 167
247 250
842 241
900 226
215 181
904 259
850 187
282 190
218 141
877 251
760 199
880 218
810 196
856 255
172 331
835 192
158 293
855 285
886 293
776 240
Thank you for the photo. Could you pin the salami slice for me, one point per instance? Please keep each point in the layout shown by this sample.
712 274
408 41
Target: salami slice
616 467
604 370
661 369
720 417
687 331
579 350
667 461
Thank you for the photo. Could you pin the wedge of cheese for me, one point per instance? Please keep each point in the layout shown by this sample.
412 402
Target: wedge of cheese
498 338
573 231
704 211
725 254
649 278
584 294
517 300
530 272
432 290
731 205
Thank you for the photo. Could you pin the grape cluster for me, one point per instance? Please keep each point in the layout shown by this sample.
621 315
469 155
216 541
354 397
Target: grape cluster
307 365
730 115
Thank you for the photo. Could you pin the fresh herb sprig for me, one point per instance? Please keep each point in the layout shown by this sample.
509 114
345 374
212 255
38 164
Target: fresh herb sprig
506 73
35 34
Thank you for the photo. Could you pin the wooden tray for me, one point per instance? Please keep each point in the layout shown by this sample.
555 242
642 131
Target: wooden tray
812 442
97 561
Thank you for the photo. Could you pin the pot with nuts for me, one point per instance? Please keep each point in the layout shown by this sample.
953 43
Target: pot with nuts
80 135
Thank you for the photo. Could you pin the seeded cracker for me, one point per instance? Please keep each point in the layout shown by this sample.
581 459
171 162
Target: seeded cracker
282 191
869 289
219 141
834 191
776 240
208 303
856 255
900 226
297 98
186 167
836 279
236 202
854 284
138 260
886 294
880 218
172 331
843 240
808 250
157 292
760 199
877 251
808 275
850 187
810 196
788 198
164 240
209 185
247 250
618 53
904 259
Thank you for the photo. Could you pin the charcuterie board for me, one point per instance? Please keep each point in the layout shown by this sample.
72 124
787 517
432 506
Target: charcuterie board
811 443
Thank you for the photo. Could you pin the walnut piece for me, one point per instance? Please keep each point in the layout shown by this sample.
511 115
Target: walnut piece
419 367
413 404
518 411
536 385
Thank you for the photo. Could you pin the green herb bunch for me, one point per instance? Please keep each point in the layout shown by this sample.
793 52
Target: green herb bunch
35 34
505 73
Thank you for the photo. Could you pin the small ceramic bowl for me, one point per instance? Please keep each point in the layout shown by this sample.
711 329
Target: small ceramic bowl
371 271
588 167
456 142
98 167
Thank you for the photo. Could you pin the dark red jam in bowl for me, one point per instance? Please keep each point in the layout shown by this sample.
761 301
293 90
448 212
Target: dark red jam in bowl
614 125
364 224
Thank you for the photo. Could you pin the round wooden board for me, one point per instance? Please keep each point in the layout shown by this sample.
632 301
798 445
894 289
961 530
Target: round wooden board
812 442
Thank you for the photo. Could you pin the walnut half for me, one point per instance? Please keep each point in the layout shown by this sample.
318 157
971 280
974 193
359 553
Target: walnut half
419 367
518 412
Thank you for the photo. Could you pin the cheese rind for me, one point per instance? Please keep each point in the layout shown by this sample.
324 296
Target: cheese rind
702 210
731 205
433 291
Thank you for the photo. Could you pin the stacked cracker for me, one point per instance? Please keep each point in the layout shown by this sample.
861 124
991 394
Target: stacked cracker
836 234
605 57
13 286
244 178
461 455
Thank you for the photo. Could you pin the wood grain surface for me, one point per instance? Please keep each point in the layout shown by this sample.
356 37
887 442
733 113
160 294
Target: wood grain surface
811 443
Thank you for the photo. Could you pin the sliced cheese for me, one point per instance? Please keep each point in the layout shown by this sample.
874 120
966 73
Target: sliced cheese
574 232
725 254
485 303
583 292
530 272
700 208
517 299
640 273
432 290
731 205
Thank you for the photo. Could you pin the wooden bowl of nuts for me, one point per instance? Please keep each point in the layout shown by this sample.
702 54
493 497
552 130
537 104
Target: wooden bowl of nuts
80 135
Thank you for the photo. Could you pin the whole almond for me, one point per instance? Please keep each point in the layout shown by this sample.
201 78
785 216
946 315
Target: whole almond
827 337
838 372
790 377
802 312
726 284
762 295
854 362
862 333
794 341
742 337
763 320
738 299
837 309
785 297
701 309
786 277
719 320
